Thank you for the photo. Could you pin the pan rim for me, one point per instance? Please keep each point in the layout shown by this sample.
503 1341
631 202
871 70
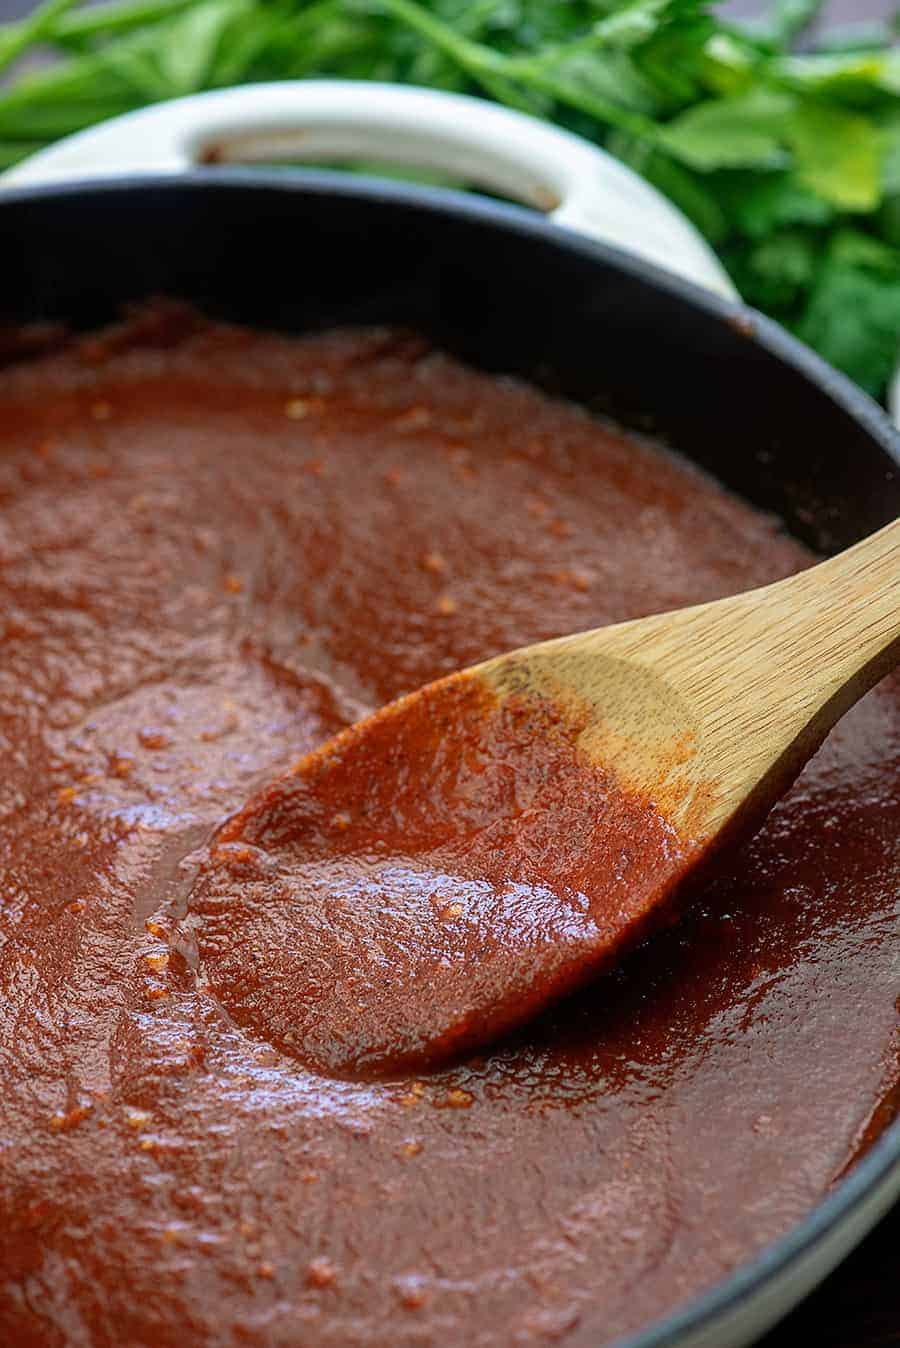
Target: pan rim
881 1163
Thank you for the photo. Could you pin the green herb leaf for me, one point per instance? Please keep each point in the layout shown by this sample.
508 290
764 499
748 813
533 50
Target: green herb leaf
762 205
853 314
188 58
742 132
838 155
785 21
776 273
859 76
637 22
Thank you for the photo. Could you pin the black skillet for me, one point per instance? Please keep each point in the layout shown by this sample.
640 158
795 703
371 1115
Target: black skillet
508 291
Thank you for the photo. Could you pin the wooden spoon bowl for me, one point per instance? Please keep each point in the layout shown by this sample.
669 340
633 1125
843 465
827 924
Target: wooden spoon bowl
444 869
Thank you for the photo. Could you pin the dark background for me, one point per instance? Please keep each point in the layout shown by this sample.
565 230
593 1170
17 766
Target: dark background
859 1305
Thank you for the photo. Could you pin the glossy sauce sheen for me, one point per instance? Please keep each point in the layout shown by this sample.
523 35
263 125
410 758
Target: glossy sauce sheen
427 882
218 548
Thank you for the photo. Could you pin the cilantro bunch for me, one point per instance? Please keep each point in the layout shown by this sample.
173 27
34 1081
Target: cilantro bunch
787 161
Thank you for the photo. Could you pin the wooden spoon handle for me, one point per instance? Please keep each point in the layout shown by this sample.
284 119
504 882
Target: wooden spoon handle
713 709
761 677
849 605
845 614
787 661
782 650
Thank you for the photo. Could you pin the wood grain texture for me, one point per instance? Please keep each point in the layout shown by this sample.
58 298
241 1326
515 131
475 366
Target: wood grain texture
712 711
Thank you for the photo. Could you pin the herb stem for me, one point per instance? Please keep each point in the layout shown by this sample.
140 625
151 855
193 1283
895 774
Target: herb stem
15 39
112 17
484 65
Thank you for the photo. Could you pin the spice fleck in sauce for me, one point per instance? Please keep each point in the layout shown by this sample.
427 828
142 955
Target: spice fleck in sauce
427 882
217 549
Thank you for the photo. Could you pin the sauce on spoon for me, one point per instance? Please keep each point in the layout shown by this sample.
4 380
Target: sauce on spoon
448 867
428 880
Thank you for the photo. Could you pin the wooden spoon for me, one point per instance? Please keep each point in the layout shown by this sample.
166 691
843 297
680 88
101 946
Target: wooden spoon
447 867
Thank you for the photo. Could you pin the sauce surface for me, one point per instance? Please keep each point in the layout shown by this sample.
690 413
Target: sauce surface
217 548
427 881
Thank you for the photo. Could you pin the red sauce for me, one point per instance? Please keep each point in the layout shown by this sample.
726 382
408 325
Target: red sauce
427 882
217 548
